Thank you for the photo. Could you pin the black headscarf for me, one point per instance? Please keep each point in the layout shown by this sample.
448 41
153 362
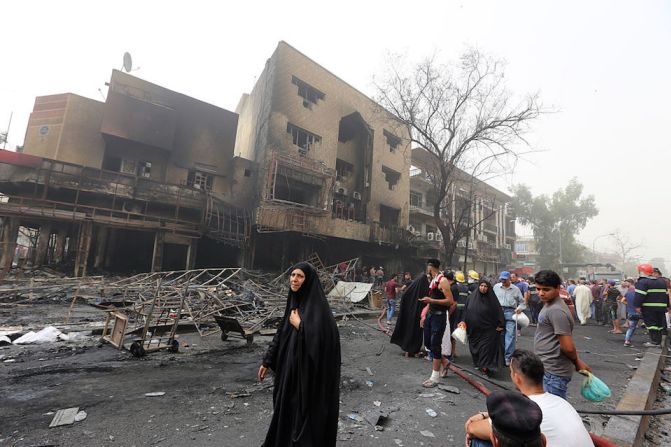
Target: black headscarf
407 333
483 310
306 363
482 315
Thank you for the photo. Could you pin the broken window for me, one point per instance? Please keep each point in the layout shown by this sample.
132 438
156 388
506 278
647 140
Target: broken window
111 163
343 169
128 166
200 180
144 169
293 190
392 140
389 216
415 198
391 177
309 94
302 138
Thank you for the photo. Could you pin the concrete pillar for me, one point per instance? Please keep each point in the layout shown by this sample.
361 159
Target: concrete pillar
191 254
10 231
60 246
157 257
112 238
42 244
101 247
247 251
83 248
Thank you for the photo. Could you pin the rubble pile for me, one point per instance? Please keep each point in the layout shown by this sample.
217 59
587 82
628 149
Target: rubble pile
146 310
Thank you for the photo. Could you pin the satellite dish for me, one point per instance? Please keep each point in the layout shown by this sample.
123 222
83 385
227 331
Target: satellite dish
127 62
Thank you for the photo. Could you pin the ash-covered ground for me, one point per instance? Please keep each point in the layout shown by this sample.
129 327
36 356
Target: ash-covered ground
212 397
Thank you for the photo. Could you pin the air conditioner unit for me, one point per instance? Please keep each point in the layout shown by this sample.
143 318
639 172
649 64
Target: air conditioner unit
461 244
507 246
356 195
430 236
341 190
337 184
482 238
439 237
411 229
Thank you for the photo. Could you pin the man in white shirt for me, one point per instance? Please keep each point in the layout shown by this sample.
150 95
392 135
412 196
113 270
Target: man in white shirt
561 425
583 300
512 301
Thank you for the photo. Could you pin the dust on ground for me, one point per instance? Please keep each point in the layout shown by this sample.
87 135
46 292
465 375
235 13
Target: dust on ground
212 397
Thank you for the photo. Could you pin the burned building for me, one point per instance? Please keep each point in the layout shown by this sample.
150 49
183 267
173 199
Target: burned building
333 167
146 180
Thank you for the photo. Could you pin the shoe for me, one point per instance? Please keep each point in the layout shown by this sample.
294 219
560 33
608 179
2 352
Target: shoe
628 344
429 384
647 344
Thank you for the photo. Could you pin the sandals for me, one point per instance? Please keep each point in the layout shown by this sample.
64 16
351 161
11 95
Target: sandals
429 384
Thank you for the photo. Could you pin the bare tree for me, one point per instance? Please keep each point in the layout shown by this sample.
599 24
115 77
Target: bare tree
466 120
624 246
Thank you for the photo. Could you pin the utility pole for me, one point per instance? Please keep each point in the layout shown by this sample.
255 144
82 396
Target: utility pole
6 135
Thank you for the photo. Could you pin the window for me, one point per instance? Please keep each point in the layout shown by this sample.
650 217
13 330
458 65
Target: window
392 140
128 166
248 173
415 198
389 216
302 138
144 169
391 177
200 180
343 169
309 94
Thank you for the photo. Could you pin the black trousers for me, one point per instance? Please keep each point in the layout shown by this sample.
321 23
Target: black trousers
655 322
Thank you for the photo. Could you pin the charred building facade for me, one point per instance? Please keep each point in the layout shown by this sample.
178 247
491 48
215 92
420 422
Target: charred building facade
142 181
152 179
333 167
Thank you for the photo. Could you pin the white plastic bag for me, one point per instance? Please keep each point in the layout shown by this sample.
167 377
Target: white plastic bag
47 335
460 334
522 320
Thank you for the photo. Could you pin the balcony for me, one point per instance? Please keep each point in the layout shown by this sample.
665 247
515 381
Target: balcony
388 234
421 210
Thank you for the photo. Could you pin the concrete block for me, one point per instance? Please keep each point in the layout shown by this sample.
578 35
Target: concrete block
629 431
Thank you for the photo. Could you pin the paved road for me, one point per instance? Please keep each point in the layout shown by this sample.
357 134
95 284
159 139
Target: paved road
198 408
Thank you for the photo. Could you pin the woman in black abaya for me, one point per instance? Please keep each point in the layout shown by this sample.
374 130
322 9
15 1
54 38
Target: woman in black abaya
407 333
484 321
305 357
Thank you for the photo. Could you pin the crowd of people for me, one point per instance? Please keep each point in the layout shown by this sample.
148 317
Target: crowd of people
305 352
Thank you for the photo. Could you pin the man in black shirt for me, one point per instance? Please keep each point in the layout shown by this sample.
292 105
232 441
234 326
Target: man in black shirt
612 296
533 301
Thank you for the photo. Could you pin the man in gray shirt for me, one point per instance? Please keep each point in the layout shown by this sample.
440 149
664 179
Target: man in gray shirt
553 341
512 301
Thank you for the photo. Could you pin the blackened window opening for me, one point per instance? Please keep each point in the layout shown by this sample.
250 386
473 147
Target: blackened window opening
302 138
309 94
391 177
392 140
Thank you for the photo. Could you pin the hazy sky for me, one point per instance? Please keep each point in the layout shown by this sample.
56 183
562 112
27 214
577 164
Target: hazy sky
604 65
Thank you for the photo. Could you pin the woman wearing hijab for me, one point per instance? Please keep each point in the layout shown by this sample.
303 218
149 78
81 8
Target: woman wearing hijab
305 357
484 323
408 334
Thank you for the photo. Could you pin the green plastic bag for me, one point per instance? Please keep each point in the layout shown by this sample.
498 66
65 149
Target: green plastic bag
593 388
